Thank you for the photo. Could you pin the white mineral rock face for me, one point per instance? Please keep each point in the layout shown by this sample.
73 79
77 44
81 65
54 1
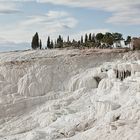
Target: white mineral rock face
86 79
69 95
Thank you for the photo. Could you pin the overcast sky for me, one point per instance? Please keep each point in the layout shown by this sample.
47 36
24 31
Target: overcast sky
20 19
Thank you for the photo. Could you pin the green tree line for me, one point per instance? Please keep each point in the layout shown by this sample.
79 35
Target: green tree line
100 40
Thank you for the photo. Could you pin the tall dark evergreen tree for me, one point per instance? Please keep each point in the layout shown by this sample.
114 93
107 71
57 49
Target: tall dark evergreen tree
90 37
40 44
55 44
82 40
86 38
52 44
93 38
35 41
59 42
68 39
48 43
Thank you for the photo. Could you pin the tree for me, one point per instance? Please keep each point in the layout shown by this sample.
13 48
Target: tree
52 44
59 42
68 39
78 43
108 39
93 38
49 43
99 37
90 37
128 41
55 44
82 40
75 44
40 44
117 37
86 38
35 41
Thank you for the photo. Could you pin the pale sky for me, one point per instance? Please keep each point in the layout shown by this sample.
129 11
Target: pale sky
20 19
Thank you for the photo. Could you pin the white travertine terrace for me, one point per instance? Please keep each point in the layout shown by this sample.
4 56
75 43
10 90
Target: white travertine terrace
69 95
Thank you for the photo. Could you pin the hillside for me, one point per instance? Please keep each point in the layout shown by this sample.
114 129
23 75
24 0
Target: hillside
70 95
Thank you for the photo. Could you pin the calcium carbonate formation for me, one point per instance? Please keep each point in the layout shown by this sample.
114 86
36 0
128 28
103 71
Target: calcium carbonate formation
59 97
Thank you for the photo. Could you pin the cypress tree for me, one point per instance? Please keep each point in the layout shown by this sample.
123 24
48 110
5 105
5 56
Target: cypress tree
93 38
49 43
68 39
55 44
35 41
52 44
59 42
86 38
40 44
90 37
81 39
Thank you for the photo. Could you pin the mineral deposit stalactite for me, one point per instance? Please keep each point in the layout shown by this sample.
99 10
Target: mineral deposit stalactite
122 74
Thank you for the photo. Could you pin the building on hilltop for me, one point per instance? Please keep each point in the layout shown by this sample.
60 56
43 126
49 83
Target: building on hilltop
135 43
